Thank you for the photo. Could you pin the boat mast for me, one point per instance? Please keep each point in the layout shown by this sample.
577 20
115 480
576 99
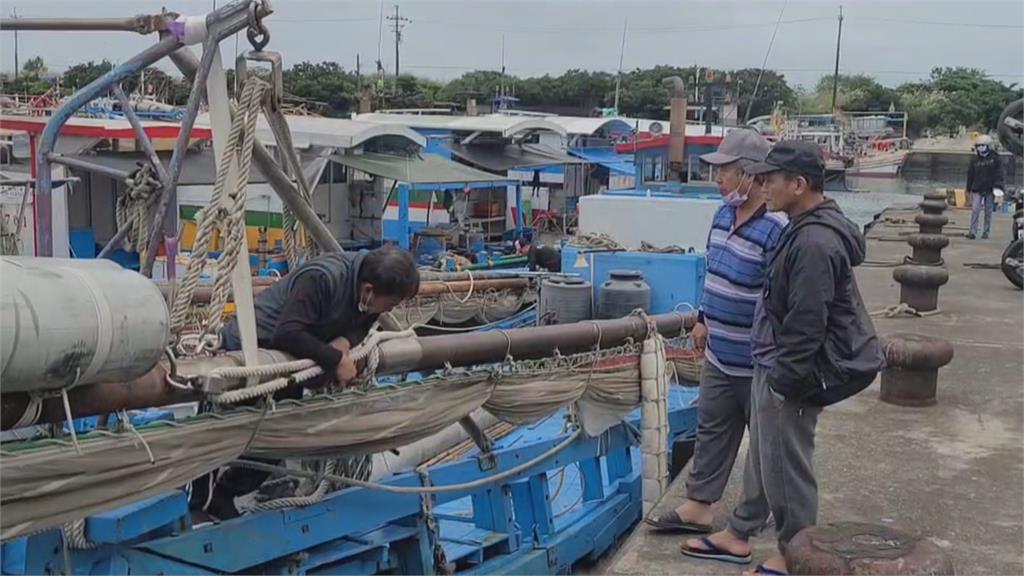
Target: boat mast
835 76
622 52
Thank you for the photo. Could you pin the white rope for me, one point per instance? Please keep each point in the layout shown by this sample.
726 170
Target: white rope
228 217
902 310
368 349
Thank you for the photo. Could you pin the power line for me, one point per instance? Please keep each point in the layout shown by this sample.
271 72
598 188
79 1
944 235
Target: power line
935 23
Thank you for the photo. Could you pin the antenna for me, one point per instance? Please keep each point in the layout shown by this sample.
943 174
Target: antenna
397 25
757 84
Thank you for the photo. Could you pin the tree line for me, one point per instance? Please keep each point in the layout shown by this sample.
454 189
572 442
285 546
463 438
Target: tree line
950 98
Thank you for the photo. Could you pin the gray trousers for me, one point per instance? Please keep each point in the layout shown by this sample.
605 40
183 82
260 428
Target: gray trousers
722 416
988 200
779 475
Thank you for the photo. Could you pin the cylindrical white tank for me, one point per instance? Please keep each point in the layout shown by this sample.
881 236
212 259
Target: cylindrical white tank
71 322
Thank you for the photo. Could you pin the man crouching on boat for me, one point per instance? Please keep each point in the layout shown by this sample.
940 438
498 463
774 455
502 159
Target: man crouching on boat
743 233
317 312
332 298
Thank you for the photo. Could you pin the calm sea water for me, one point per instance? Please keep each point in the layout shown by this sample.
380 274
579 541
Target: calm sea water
877 194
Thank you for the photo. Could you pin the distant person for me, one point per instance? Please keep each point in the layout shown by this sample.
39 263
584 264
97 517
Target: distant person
813 345
743 234
535 184
984 175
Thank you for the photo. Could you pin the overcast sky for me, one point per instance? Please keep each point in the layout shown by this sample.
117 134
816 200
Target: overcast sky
895 41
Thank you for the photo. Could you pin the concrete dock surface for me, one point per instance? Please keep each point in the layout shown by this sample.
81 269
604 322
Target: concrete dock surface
953 472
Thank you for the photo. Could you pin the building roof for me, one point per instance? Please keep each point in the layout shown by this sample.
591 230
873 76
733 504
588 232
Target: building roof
310 131
417 169
198 169
497 123
504 157
586 126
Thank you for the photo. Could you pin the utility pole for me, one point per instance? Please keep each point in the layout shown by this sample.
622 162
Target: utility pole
14 14
835 77
397 24
359 77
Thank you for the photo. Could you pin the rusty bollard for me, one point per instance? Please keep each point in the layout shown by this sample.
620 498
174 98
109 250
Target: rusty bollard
930 223
912 363
919 285
864 549
934 207
927 249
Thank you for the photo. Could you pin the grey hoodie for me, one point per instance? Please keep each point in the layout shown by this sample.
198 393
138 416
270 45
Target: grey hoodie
825 344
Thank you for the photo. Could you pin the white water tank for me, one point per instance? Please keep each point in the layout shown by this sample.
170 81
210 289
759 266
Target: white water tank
71 322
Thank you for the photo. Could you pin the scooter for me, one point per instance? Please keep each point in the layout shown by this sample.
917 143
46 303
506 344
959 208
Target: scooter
1012 262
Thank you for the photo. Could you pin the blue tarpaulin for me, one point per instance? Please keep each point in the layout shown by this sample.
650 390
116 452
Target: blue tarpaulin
607 157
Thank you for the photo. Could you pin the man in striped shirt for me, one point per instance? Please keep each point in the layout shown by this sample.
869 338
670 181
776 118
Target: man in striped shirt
743 234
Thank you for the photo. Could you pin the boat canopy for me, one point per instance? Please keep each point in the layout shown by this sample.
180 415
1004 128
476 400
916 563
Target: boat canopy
504 157
415 169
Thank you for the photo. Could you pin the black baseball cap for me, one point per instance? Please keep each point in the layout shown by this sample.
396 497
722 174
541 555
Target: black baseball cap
792 156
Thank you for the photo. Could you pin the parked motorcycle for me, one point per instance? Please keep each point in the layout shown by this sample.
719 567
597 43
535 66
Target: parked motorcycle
1012 262
1011 135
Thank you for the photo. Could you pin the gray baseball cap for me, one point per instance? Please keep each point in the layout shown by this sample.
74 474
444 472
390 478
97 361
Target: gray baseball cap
739 143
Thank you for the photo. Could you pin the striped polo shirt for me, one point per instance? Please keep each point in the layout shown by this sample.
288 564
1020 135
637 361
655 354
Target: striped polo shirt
736 269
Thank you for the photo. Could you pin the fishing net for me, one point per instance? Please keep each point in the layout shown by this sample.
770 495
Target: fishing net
52 481
456 309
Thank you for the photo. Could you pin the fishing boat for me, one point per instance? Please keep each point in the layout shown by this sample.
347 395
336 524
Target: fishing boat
506 447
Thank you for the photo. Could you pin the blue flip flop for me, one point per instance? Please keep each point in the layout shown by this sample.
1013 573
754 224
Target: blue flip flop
762 569
712 552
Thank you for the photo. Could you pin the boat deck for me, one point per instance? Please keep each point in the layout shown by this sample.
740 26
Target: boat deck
950 472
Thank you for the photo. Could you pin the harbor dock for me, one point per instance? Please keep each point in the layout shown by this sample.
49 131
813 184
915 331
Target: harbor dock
951 472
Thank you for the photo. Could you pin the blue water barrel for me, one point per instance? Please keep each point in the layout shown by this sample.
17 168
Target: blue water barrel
429 245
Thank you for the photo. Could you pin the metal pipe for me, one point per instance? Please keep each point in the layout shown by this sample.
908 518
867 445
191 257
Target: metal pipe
220 23
142 24
44 181
89 166
187 63
178 156
141 136
411 354
115 242
396 356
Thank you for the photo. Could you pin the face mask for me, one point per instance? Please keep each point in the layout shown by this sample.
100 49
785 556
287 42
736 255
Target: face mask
364 305
737 198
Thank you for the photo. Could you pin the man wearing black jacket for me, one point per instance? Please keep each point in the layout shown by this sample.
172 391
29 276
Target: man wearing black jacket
813 345
316 312
335 296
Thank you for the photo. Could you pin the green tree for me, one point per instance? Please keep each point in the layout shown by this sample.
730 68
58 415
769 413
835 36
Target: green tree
772 89
80 75
35 67
856 92
325 82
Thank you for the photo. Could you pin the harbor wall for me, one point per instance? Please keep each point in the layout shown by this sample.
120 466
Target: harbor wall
951 166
